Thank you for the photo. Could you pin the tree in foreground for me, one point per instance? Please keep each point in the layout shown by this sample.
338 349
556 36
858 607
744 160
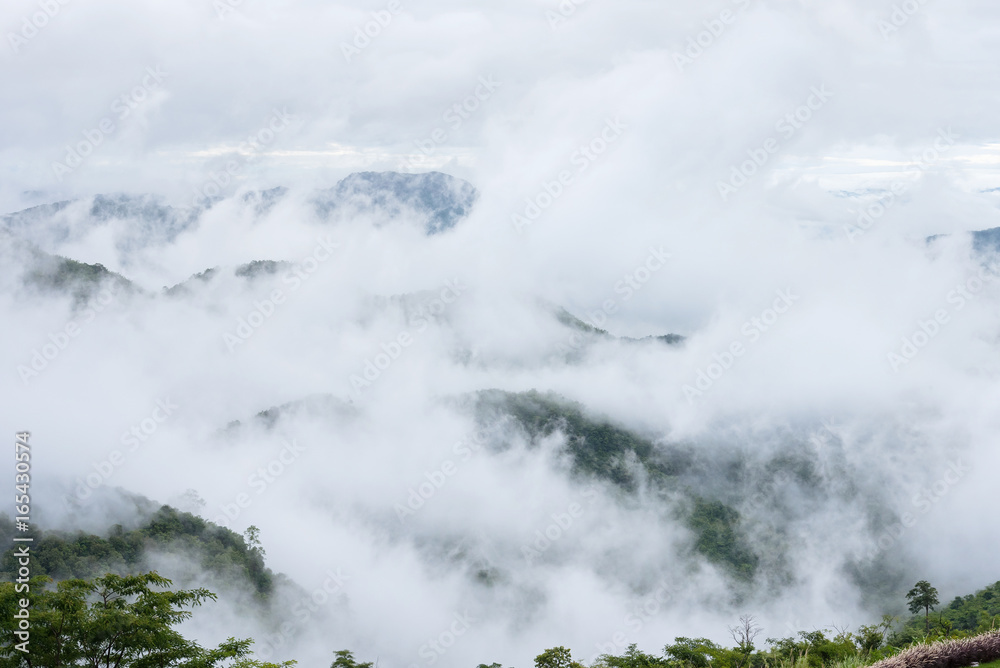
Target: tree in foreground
112 622
632 658
745 634
923 597
345 659
557 657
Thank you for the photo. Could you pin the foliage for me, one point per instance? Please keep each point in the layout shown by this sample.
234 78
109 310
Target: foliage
923 597
82 280
557 657
691 653
62 555
815 648
605 450
596 447
571 321
716 528
252 538
112 622
633 658
965 615
744 635
260 267
345 659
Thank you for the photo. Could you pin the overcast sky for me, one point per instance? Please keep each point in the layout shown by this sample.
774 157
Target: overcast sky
225 68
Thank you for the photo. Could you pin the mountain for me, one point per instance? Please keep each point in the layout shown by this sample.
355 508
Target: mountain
436 199
985 241
138 221
217 550
80 280
595 333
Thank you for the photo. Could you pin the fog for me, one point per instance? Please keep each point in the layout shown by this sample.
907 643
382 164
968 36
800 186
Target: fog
768 195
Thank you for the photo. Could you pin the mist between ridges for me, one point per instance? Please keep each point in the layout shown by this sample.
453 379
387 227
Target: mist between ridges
303 612
260 480
922 502
753 329
135 437
437 478
391 350
295 278
61 338
927 330
560 526
629 285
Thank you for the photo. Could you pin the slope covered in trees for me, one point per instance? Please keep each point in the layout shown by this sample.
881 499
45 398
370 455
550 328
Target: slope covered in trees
602 449
62 555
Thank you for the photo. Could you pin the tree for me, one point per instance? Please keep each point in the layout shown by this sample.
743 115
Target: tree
692 652
744 634
633 658
252 538
923 597
557 657
869 638
345 659
111 622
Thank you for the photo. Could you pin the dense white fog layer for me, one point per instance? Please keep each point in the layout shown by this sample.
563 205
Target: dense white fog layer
821 324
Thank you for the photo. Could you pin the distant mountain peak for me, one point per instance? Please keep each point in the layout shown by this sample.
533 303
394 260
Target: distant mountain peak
440 199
